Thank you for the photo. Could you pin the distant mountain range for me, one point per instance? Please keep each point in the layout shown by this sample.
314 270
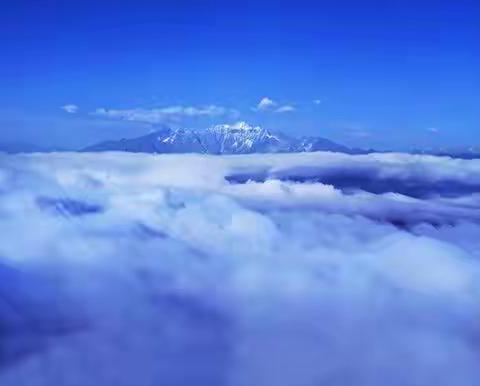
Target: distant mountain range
463 153
240 138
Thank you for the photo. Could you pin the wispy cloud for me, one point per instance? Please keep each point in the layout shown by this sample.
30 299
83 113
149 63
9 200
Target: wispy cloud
70 108
285 109
317 101
433 130
165 114
266 104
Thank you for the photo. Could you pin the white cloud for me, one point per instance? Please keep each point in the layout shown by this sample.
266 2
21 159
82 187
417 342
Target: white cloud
285 109
266 104
71 109
165 114
433 130
127 258
317 101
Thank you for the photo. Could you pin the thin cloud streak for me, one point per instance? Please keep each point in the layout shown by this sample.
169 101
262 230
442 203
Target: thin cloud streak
165 114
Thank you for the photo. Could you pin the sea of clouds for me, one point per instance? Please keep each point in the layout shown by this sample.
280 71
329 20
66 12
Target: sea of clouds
315 269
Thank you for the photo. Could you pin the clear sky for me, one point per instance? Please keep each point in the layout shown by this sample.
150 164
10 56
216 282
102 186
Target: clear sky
385 74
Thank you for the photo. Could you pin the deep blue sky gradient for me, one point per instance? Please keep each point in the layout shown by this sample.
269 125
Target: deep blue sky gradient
386 71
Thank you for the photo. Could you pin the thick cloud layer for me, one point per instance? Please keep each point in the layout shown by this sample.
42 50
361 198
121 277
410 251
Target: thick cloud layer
285 270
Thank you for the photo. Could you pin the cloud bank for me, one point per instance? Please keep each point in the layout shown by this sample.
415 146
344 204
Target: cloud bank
286 270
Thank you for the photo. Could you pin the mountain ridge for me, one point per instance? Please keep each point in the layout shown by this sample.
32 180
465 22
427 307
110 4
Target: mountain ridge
240 138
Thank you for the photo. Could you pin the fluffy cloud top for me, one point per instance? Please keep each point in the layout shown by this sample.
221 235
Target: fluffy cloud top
71 109
165 114
138 269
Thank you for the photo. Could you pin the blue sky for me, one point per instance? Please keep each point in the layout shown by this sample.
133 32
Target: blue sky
384 74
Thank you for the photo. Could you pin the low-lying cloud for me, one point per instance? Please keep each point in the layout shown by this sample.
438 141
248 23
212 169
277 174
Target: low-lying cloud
285 270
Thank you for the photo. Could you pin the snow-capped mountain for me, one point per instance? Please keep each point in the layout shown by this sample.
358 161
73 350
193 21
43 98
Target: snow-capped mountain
240 138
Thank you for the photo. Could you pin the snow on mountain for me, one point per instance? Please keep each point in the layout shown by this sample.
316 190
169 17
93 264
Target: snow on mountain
239 138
